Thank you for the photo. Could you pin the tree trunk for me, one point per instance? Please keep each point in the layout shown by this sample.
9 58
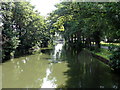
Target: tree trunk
97 38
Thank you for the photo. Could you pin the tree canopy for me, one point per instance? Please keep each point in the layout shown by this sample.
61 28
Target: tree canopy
87 22
22 28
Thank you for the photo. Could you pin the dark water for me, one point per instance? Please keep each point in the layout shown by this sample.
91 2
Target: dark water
58 68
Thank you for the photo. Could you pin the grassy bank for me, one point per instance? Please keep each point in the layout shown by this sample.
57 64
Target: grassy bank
108 44
103 53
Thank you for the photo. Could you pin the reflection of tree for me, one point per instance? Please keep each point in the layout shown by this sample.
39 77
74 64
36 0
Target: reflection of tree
57 55
57 51
86 71
81 70
34 71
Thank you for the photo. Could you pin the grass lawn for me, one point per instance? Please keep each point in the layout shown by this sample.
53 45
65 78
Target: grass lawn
108 44
104 53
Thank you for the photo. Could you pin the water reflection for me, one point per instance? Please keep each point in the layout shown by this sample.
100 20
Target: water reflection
24 75
56 57
57 51
47 83
62 68
50 80
34 71
88 72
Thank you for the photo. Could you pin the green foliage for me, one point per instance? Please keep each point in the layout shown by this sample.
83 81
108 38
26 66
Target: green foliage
23 28
79 23
92 21
87 24
9 35
115 58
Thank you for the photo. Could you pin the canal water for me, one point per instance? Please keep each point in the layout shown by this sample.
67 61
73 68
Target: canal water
58 68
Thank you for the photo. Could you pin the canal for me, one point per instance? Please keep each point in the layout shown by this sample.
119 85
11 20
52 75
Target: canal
60 68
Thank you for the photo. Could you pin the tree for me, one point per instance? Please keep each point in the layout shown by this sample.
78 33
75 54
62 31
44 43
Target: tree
87 22
9 35
23 28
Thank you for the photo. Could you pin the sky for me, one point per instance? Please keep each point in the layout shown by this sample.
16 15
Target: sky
44 6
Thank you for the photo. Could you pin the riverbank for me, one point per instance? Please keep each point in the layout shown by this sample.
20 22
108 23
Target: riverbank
103 58
30 52
99 56
105 53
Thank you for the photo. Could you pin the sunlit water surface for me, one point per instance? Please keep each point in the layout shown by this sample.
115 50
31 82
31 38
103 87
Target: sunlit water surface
58 68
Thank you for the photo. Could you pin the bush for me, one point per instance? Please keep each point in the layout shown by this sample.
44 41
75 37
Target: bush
111 47
115 58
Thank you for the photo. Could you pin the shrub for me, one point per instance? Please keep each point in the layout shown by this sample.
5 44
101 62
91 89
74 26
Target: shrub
115 58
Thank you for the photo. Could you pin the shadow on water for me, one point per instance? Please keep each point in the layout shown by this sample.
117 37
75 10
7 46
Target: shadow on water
63 67
18 54
87 72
